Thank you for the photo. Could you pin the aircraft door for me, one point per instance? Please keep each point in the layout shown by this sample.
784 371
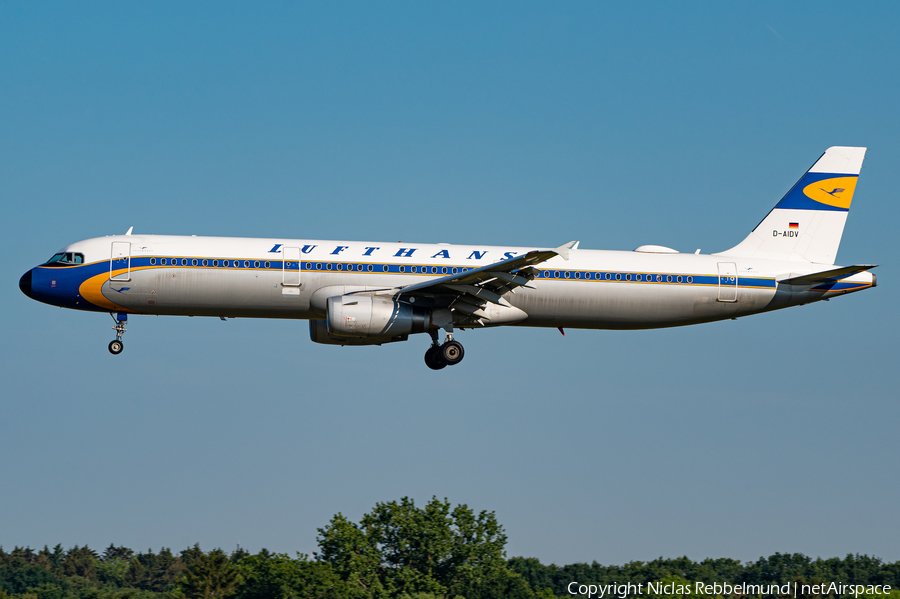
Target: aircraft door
290 273
120 261
727 282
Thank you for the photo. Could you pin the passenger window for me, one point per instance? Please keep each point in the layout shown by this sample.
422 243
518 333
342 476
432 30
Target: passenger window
205 263
371 268
152 261
246 264
256 264
215 262
163 261
386 268
194 262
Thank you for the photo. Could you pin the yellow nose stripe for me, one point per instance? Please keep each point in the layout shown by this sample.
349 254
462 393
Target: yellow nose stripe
90 290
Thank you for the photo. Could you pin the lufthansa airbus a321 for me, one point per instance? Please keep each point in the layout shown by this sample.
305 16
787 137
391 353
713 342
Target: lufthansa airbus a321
370 293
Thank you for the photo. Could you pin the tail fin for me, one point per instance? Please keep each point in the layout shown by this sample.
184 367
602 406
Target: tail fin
808 222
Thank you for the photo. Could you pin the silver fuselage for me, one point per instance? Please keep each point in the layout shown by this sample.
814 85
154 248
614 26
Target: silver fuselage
243 277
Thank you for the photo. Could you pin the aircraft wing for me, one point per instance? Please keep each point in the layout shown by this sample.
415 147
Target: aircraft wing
470 290
826 276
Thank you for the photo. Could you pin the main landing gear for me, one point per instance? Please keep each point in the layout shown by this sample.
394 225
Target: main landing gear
116 346
448 354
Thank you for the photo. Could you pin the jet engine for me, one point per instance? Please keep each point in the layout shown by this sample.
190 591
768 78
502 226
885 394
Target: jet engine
360 315
318 332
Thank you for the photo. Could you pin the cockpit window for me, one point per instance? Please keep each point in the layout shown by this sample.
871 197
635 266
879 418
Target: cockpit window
65 259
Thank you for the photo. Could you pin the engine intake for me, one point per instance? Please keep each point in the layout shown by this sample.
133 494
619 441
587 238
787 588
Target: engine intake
371 316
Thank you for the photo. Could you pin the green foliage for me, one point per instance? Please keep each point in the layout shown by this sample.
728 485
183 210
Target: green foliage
399 549
276 576
113 553
18 577
425 596
776 569
80 561
673 587
352 554
113 571
155 572
212 576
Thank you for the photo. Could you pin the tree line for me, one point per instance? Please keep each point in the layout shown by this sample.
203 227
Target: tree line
397 550
780 568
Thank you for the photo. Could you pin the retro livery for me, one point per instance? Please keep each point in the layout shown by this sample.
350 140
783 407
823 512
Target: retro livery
370 293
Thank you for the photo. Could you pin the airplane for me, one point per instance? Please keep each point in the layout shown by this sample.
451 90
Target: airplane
372 293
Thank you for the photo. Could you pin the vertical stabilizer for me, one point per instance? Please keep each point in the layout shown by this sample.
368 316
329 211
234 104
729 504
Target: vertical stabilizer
808 222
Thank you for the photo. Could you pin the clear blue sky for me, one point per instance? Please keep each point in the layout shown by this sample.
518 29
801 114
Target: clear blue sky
529 124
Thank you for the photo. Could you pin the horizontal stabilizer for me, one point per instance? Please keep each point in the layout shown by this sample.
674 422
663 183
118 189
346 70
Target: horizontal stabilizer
826 276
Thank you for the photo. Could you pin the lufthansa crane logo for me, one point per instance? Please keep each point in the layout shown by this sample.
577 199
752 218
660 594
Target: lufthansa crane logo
840 194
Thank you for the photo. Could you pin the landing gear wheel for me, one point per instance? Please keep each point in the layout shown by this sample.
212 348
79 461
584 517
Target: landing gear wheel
452 352
116 347
433 358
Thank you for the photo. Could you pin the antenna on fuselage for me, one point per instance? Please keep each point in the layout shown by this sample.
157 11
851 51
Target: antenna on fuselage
130 229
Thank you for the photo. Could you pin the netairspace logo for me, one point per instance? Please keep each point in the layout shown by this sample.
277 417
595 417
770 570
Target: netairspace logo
701 589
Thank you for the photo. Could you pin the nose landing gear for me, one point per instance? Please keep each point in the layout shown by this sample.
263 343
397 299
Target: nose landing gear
116 346
438 356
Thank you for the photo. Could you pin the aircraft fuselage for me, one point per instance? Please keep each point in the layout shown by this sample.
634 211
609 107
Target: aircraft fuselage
242 277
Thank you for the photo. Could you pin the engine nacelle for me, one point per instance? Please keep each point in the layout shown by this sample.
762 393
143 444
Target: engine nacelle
318 332
360 315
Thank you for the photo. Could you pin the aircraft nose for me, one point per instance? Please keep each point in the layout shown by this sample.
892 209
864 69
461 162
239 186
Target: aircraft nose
25 283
